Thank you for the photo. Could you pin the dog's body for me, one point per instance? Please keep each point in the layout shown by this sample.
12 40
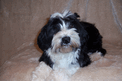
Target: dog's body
66 41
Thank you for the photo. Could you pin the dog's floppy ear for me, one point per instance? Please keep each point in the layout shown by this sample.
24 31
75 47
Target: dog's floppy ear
43 40
45 37
76 15
83 60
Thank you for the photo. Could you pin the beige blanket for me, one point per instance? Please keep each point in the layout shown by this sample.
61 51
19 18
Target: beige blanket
25 67
22 20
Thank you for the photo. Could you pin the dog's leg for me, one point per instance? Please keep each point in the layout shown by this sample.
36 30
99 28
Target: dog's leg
103 51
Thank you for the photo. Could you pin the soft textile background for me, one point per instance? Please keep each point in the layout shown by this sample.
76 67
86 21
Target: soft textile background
22 20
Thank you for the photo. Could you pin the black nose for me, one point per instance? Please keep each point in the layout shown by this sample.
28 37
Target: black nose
66 40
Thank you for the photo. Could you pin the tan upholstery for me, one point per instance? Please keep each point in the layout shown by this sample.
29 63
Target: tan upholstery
22 20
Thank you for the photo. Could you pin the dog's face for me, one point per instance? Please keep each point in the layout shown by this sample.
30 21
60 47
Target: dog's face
66 39
62 33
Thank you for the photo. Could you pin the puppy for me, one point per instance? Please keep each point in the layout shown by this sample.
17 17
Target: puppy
66 41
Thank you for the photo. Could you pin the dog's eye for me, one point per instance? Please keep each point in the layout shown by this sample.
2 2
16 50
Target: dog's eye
55 28
71 26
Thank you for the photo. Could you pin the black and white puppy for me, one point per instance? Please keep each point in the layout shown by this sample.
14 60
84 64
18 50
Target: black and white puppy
66 41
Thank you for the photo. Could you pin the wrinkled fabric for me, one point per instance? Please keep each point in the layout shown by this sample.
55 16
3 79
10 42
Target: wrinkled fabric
22 20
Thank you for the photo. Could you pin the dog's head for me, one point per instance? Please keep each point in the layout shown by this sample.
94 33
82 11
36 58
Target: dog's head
63 33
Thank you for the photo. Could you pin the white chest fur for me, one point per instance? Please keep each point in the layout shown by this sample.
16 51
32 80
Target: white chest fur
64 60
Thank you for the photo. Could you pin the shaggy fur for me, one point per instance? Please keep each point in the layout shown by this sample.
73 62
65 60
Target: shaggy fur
66 41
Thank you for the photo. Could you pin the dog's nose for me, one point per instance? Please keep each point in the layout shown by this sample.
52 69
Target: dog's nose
66 40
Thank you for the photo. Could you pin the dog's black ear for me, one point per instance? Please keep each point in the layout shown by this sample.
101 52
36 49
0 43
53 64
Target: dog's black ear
84 60
76 15
48 31
46 58
43 40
